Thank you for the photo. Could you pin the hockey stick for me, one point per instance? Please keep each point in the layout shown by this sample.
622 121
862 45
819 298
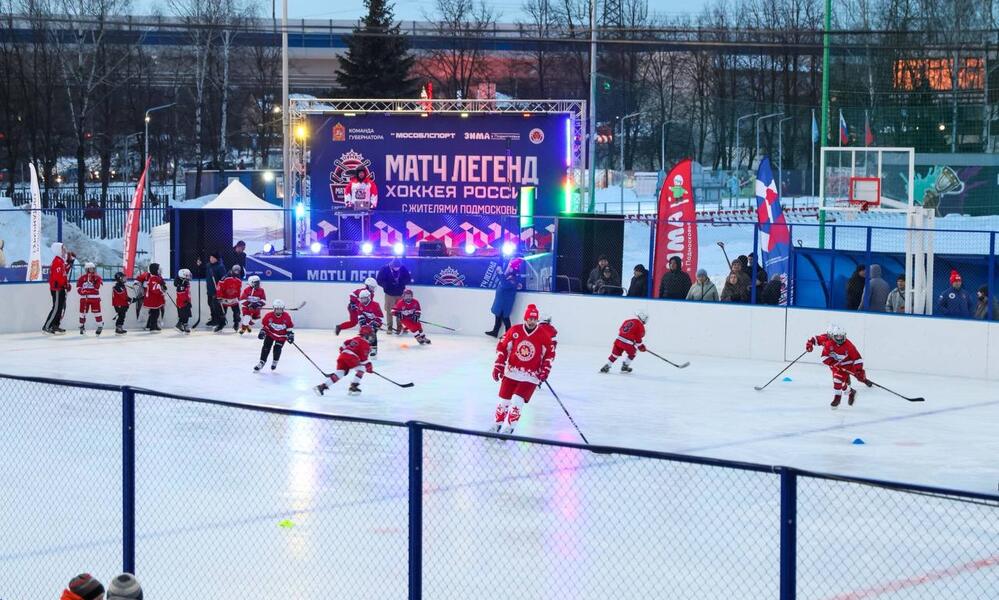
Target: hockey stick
325 374
917 399
402 385
759 388
299 307
682 366
566 411
198 321
722 246
436 325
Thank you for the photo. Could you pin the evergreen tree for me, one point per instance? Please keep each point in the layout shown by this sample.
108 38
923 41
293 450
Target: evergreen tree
378 62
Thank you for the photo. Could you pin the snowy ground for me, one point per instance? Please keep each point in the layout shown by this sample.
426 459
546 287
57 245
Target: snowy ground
214 483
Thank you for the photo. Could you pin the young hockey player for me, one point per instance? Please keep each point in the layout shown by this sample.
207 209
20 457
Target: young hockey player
354 303
353 356
253 299
89 288
275 330
523 361
183 286
120 301
152 297
843 359
629 339
227 293
546 323
407 310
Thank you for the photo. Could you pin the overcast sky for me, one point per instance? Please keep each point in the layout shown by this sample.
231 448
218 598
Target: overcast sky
412 9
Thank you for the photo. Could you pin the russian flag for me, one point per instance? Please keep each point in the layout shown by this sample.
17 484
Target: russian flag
844 134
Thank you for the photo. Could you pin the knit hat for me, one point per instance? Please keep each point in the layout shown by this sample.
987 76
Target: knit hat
702 273
124 587
954 276
86 587
531 312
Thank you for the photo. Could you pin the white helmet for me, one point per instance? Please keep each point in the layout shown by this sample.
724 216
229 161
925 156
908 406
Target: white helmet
836 332
89 267
642 316
364 295
254 280
371 283
184 273
278 304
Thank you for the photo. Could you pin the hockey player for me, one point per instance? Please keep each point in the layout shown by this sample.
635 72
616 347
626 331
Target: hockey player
361 191
353 304
546 323
370 314
120 301
353 356
523 361
252 299
152 298
843 359
407 310
183 286
89 288
227 293
629 339
275 330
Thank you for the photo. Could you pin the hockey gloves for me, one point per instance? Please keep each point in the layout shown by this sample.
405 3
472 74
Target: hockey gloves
369 368
641 348
497 371
810 345
543 374
261 335
291 337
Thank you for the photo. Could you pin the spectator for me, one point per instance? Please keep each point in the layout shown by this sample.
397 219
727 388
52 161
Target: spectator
982 310
896 299
639 287
506 293
955 301
607 285
704 289
761 282
876 292
597 272
83 587
214 272
735 290
771 293
675 283
855 287
124 587
393 279
744 262
59 270
739 269
750 262
238 257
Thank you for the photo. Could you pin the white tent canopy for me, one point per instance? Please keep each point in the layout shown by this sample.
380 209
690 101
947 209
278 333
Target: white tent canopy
254 220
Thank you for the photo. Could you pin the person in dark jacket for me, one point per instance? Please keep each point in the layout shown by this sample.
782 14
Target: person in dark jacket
735 290
237 256
855 287
761 282
675 283
738 267
393 279
597 272
982 310
955 301
876 292
607 285
511 282
215 272
639 287
771 292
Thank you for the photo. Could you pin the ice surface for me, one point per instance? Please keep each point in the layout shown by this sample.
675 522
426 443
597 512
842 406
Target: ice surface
500 518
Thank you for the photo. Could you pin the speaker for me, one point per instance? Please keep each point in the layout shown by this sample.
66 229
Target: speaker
432 248
342 248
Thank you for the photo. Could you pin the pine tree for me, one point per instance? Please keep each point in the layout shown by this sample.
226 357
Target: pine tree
378 62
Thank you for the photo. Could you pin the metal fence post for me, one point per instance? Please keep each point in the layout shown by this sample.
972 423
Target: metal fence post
175 265
415 511
553 286
59 216
650 278
756 263
128 479
788 533
294 234
989 315
832 269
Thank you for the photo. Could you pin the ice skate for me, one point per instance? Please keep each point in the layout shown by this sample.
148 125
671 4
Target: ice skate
321 388
260 365
100 328
626 368
180 327
219 327
606 368
82 329
235 326
374 352
274 364
58 330
851 397
508 430
835 401
119 330
336 330
422 339
354 389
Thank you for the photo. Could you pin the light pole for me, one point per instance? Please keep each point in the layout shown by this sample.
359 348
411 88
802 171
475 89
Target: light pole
780 156
592 146
758 122
738 148
145 154
125 146
662 143
623 119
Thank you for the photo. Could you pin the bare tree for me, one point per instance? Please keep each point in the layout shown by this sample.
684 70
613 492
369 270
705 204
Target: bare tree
463 62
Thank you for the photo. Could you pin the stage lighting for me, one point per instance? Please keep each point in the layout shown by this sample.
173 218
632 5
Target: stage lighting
268 176
299 210
398 249
316 247
469 248
508 248
268 248
367 248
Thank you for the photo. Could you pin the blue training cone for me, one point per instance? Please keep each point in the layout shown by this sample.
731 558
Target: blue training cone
858 442
786 379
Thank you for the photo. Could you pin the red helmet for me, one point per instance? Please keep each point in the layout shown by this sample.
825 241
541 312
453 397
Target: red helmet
367 330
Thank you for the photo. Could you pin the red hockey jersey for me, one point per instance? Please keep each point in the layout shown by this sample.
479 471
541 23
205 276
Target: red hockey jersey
355 299
119 296
276 327
89 285
409 311
526 355
253 298
153 286
227 290
183 292
57 275
357 347
632 332
361 191
841 356
370 314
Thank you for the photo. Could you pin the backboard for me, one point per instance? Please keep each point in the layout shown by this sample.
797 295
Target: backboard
866 179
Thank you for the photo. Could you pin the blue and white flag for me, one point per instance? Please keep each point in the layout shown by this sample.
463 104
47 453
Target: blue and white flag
775 236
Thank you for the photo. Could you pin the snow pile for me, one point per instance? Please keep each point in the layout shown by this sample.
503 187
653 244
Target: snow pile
15 230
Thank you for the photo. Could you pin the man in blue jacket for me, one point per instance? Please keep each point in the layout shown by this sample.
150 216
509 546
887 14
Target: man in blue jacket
214 272
393 279
955 301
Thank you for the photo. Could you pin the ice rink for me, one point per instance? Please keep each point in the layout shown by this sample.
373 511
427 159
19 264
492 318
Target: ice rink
500 518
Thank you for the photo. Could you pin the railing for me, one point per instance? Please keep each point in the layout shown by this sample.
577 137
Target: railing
272 502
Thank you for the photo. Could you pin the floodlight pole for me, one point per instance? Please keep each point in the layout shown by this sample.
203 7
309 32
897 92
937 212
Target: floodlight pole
738 148
592 146
827 25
